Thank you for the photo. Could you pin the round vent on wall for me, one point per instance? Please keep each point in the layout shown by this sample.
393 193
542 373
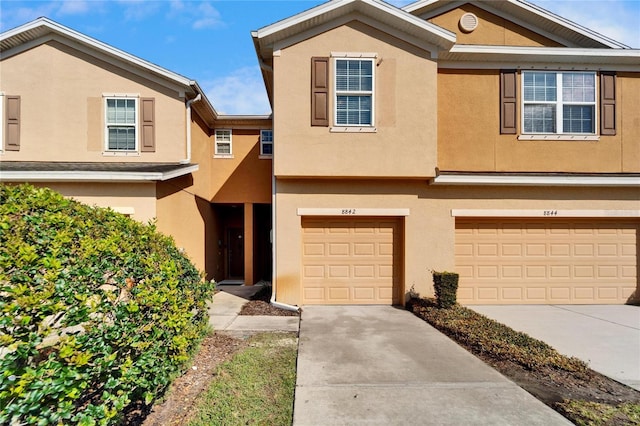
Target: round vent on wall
468 22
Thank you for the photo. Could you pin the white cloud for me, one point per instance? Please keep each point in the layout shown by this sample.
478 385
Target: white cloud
21 15
208 17
138 10
74 7
241 92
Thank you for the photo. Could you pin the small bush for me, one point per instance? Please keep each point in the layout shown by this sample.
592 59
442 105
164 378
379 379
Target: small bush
97 310
445 285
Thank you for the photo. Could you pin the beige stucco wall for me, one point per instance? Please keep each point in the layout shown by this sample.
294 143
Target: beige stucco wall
123 197
429 229
491 30
405 110
472 97
62 106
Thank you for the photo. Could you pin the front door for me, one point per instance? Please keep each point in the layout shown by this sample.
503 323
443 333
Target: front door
235 253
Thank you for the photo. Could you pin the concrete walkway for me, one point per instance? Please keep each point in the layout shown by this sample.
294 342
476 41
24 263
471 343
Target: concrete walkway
227 303
605 336
378 365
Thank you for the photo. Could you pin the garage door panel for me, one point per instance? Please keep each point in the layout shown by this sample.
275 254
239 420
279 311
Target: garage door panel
359 261
546 261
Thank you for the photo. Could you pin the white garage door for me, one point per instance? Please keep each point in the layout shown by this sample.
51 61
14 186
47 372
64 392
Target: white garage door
351 261
503 261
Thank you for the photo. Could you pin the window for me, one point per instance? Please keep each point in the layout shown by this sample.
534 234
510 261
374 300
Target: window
1 121
559 102
266 142
121 124
223 142
354 92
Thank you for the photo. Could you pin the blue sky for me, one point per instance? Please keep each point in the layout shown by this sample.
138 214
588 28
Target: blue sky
210 41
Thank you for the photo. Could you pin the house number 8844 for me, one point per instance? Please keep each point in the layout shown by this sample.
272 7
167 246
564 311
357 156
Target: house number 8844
550 213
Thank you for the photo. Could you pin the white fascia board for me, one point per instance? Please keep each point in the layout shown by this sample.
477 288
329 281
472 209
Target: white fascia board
351 211
545 213
330 6
87 176
85 40
497 180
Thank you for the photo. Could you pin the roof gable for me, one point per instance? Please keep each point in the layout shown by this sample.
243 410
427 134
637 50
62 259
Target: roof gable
526 15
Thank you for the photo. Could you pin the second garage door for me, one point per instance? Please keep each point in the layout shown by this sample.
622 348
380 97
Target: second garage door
562 261
351 260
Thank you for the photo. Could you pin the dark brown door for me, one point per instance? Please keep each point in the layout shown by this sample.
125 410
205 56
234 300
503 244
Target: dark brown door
236 252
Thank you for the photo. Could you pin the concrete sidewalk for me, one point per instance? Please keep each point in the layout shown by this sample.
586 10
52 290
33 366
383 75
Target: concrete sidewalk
224 309
378 365
607 337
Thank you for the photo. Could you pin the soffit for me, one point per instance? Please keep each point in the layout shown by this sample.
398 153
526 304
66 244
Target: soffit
525 14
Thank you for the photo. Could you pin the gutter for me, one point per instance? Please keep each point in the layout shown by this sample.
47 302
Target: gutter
273 248
189 102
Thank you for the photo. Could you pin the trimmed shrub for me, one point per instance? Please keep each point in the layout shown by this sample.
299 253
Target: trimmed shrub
98 312
445 285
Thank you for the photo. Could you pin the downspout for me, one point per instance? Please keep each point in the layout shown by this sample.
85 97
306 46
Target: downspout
189 102
273 248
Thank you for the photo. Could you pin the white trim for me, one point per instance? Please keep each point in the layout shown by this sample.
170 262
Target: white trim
92 176
216 142
500 180
354 129
355 55
1 122
262 143
351 211
136 125
546 51
549 213
265 157
363 93
570 137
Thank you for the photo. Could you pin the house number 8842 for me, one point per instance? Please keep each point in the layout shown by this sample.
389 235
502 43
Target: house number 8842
348 211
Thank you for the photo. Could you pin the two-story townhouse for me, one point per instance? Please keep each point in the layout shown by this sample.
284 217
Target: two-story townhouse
491 138
111 129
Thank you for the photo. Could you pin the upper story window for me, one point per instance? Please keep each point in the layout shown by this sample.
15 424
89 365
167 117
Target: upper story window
559 102
266 142
121 124
354 83
223 143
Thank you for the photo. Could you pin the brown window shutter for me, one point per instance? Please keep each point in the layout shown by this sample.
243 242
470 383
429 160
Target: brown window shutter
319 91
12 137
508 102
608 103
148 125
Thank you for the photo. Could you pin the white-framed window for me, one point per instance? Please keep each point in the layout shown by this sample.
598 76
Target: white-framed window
1 122
354 94
559 102
223 143
266 142
121 124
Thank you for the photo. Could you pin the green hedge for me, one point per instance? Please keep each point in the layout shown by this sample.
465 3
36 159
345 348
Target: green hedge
97 311
445 285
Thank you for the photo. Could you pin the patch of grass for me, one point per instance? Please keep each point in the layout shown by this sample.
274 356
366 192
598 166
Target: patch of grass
255 387
585 413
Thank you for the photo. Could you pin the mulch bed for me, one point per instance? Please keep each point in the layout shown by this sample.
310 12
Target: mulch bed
549 385
259 305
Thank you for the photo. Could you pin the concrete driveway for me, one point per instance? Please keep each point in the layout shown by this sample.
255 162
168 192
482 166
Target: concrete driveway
378 365
605 336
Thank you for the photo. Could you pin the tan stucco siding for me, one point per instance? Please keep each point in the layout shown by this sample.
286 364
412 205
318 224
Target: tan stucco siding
491 30
404 143
429 229
472 97
244 178
135 199
62 106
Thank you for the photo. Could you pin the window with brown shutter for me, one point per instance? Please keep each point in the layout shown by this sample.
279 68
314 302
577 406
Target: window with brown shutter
508 114
320 91
148 128
13 124
608 103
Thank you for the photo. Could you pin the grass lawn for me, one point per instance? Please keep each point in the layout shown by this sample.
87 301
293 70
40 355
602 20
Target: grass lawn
255 387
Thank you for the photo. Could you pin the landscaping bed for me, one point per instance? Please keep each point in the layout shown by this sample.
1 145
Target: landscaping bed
260 305
565 384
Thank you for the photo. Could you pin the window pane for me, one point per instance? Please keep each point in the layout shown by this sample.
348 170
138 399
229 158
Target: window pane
224 148
267 149
354 110
578 119
540 87
223 135
539 119
122 138
121 111
578 87
354 75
